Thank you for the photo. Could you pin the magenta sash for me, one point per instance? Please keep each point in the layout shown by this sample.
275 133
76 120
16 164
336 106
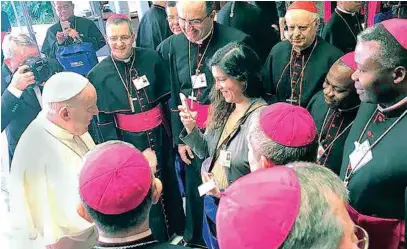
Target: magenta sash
383 233
140 122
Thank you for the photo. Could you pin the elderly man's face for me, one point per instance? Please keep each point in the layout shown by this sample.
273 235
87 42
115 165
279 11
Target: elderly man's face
302 28
82 111
339 88
195 23
64 10
373 83
172 16
20 55
120 40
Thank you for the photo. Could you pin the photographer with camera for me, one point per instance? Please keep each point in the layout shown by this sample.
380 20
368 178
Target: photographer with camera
23 73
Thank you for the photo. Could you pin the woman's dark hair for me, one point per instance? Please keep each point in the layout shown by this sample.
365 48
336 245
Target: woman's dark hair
241 63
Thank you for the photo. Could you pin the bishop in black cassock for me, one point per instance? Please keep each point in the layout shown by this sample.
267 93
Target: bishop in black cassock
186 59
131 95
334 108
374 159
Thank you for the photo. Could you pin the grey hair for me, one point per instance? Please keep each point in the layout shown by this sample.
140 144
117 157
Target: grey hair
390 53
12 42
316 226
276 153
120 20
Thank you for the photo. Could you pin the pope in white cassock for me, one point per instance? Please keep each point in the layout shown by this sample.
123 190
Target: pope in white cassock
44 173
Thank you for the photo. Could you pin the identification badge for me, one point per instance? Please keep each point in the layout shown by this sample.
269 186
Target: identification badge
199 81
320 152
360 156
225 158
141 82
206 187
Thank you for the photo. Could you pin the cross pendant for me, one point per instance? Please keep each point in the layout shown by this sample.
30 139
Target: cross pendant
292 100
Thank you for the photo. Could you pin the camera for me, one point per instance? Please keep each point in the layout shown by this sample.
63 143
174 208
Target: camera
40 67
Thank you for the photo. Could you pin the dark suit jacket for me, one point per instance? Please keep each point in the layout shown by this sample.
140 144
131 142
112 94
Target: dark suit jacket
17 113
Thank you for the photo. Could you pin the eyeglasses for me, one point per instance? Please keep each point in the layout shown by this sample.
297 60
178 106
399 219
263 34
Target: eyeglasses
63 7
301 28
363 237
194 22
124 38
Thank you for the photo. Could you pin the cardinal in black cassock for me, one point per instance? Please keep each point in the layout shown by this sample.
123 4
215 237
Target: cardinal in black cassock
132 86
295 70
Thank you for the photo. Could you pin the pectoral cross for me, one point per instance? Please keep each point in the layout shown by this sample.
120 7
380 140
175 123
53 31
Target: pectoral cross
192 98
292 100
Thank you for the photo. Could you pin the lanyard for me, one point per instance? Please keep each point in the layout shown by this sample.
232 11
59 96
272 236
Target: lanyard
350 171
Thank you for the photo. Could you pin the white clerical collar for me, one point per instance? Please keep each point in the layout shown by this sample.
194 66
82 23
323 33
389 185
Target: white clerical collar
393 107
346 12
54 129
125 239
207 35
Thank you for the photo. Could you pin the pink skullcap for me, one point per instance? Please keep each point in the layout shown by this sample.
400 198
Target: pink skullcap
259 210
304 5
288 125
397 27
115 179
349 60
118 16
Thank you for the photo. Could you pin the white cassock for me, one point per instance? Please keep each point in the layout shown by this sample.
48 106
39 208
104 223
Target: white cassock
44 187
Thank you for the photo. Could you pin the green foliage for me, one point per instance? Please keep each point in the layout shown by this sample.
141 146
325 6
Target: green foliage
40 12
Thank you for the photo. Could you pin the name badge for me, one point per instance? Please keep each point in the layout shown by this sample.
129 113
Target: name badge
320 152
199 81
204 188
141 82
225 158
360 156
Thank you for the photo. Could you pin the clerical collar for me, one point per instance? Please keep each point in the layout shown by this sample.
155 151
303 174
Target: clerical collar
349 109
345 12
125 239
200 42
308 50
401 105
125 60
54 129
